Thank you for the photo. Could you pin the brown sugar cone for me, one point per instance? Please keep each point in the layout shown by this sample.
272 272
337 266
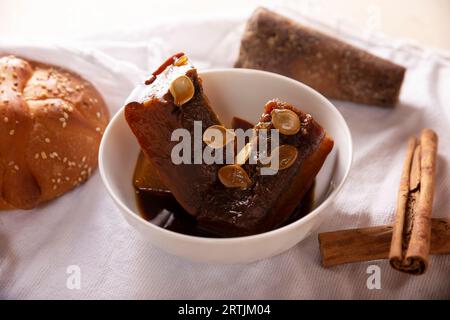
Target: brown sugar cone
338 70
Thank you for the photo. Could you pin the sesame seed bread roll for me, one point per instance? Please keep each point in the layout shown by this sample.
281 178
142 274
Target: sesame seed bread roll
51 124
336 69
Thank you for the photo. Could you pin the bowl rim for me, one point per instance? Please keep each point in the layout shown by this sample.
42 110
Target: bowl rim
260 236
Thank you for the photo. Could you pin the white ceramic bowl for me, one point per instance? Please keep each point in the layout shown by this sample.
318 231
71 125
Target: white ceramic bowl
241 93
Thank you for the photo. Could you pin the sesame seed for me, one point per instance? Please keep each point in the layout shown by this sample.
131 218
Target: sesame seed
55 186
36 156
65 159
11 163
43 155
97 129
66 115
67 178
11 133
16 167
98 115
58 180
83 172
47 140
5 119
53 155
64 124
83 159
62 119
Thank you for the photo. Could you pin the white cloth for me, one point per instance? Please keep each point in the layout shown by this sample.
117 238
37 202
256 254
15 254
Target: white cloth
85 228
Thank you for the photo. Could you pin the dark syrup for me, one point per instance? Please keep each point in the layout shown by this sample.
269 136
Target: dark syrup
163 210
160 207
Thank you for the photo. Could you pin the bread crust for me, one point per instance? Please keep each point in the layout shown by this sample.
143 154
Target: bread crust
51 124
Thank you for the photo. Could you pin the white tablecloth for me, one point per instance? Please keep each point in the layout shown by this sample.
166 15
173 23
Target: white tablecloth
84 228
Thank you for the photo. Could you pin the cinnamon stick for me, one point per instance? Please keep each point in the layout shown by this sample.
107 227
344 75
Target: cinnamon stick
373 243
411 235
